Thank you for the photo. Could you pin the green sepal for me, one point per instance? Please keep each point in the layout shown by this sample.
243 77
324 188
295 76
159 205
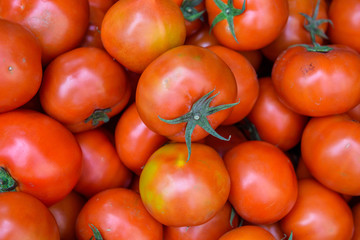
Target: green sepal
96 233
98 115
314 48
189 11
7 183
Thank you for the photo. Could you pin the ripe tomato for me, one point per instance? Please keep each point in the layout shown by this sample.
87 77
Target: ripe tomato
319 213
25 217
181 193
248 233
81 93
246 82
40 154
246 25
274 122
134 141
21 73
318 83
102 168
117 213
356 215
66 212
59 25
330 147
263 182
354 113
202 38
135 32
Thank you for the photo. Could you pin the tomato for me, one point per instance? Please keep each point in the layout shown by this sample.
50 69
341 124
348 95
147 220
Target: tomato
248 233
203 37
319 213
255 57
246 82
354 113
263 182
59 25
294 31
135 32
181 193
102 167
134 141
66 212
224 220
25 217
356 215
81 93
40 154
117 213
301 170
330 147
246 25
22 69
312 83
275 230
274 122
346 25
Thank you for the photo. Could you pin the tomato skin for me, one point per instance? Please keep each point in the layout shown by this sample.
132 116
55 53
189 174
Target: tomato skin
248 233
158 91
182 193
260 23
45 164
117 213
319 213
294 31
21 73
25 217
274 122
330 147
261 176
356 215
93 87
135 32
59 25
102 168
246 82
134 141
202 38
311 83
65 213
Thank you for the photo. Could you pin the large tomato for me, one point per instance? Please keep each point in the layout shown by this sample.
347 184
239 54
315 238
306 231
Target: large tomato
181 193
319 213
59 25
356 215
135 32
263 182
25 217
83 88
21 71
247 233
41 156
247 25
318 83
330 147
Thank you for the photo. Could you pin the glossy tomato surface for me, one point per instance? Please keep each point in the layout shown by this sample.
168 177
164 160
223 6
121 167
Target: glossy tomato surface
248 233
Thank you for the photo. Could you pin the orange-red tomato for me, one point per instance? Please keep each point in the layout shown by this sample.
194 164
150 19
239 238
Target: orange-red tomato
248 233
202 38
356 215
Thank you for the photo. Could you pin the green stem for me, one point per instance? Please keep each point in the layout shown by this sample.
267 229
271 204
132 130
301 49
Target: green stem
7 183
189 11
249 129
99 115
96 233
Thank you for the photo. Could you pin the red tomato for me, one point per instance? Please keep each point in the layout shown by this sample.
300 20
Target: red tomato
181 193
318 83
246 82
356 215
294 31
225 220
257 24
263 182
202 38
319 213
21 73
25 217
117 213
354 113
330 147
66 212
275 230
135 32
102 167
59 25
248 233
81 93
346 24
134 141
40 154
301 170
274 122
255 57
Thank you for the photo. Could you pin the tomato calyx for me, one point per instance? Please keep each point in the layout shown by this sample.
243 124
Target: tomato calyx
96 232
189 11
98 115
197 116
228 12
7 183
249 129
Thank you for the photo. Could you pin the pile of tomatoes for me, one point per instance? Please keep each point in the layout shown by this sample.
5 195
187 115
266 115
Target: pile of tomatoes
179 119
